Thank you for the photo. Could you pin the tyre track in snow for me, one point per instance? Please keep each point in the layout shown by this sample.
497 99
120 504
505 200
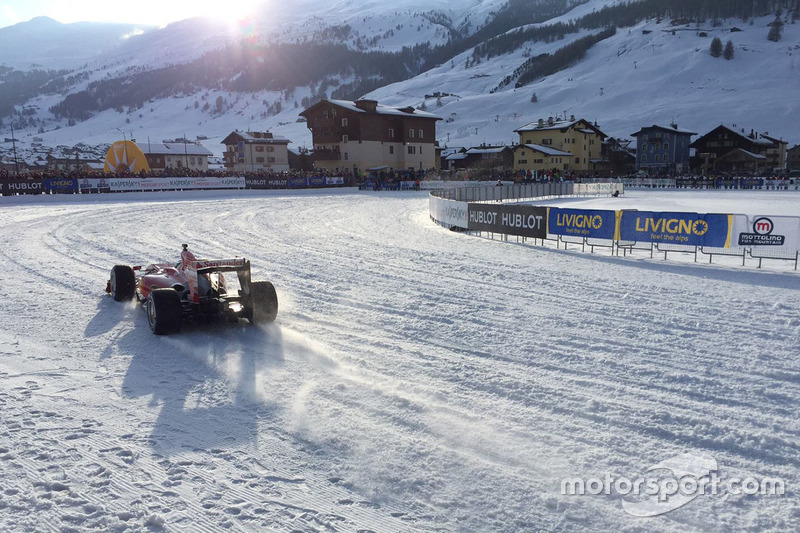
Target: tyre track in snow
312 505
696 317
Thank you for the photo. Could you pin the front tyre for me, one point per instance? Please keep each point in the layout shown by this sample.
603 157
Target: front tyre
262 306
122 283
164 311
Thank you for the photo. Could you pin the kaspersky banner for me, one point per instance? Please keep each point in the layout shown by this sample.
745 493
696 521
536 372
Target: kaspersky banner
691 229
449 212
766 231
589 223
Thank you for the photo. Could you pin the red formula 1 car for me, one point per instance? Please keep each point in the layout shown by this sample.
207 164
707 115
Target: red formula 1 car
194 289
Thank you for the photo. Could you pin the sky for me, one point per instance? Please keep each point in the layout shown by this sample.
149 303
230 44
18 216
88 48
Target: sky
143 12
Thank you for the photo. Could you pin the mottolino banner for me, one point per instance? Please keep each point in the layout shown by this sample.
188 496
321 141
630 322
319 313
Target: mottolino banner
690 229
521 220
588 223
766 230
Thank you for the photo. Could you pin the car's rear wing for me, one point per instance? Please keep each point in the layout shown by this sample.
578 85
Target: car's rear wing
200 267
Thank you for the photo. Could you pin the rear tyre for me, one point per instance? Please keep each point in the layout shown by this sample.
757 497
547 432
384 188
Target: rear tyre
262 306
122 283
164 311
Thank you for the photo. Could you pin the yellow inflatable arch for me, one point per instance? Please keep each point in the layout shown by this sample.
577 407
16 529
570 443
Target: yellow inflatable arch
125 156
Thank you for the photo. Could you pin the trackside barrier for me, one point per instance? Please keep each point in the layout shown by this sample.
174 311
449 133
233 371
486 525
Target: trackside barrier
479 210
789 184
14 186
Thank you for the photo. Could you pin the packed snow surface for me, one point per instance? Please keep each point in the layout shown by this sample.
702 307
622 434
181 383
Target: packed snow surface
416 379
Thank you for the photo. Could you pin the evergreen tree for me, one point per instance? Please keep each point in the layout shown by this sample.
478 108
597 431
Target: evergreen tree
716 47
534 98
728 54
775 30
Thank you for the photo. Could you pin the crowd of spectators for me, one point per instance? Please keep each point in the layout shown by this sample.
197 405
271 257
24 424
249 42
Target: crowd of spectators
183 172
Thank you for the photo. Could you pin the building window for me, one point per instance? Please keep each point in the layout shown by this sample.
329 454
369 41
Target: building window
271 159
259 148
346 157
412 149
658 157
344 138
644 147
259 159
420 134
270 148
644 158
391 150
666 146
577 160
344 122
538 161
191 161
410 133
547 141
391 133
522 162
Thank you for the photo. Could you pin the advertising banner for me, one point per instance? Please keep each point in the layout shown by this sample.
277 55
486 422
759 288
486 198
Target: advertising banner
162 184
522 220
298 183
449 212
335 180
316 181
61 185
12 186
597 188
690 229
589 223
751 183
762 230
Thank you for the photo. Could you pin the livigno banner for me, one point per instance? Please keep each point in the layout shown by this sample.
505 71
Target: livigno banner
692 229
766 230
522 220
589 223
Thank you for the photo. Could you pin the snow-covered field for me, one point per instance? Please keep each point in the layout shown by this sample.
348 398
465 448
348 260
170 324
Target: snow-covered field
415 380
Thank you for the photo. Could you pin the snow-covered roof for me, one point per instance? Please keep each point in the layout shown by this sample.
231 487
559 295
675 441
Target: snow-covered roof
247 136
175 149
385 110
456 157
558 125
486 150
547 150
451 150
664 128
763 142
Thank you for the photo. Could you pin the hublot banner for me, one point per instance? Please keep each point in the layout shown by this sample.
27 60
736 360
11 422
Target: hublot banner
14 186
522 220
264 183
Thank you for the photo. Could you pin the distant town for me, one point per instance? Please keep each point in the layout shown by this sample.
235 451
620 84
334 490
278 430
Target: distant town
365 138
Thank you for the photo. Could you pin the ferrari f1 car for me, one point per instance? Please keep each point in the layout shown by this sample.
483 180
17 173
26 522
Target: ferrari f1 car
194 289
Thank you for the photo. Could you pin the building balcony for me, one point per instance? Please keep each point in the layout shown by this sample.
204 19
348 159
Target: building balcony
327 155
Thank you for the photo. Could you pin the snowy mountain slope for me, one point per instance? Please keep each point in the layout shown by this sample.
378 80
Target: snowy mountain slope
631 80
643 75
45 43
416 379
